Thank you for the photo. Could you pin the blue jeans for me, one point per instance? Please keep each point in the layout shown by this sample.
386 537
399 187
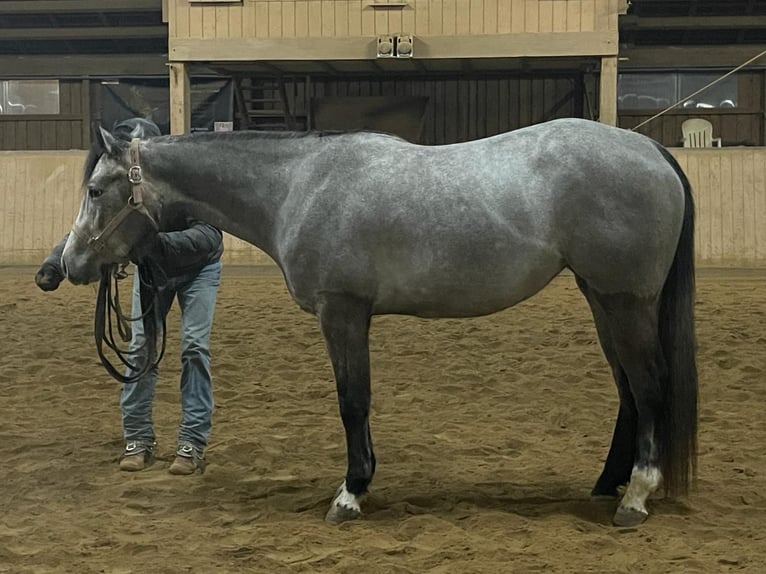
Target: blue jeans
196 295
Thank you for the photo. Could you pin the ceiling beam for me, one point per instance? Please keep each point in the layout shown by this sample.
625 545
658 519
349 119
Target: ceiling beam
692 22
654 57
81 66
364 48
83 33
72 6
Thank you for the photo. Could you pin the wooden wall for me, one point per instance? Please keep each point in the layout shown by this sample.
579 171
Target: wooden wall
344 18
68 130
730 192
39 198
468 108
40 195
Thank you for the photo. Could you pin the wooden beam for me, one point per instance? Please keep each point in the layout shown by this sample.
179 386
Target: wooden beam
83 33
652 57
608 91
79 66
180 98
426 48
70 6
763 117
692 22
85 110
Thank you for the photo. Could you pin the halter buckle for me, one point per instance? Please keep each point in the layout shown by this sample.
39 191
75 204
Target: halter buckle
96 243
135 175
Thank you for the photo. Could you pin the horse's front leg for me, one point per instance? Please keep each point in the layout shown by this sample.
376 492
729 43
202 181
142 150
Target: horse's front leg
345 324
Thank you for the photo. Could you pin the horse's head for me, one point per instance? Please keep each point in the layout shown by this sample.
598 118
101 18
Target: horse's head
117 212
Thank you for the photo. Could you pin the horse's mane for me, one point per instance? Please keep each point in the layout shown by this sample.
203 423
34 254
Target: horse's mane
95 152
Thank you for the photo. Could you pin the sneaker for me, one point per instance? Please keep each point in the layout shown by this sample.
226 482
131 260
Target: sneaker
188 459
138 455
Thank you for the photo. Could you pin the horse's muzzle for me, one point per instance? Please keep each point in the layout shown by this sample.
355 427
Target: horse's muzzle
80 274
48 277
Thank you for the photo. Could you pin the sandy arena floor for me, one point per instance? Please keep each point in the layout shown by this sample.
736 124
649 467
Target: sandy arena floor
489 434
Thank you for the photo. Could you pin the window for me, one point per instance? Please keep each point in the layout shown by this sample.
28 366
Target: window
29 97
722 95
646 91
211 101
656 91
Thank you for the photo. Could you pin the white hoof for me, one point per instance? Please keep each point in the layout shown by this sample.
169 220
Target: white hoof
345 506
629 516
632 509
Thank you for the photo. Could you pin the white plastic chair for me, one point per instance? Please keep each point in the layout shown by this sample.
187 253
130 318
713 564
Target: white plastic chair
699 133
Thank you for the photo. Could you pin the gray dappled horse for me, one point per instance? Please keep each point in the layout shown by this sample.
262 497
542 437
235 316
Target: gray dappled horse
364 224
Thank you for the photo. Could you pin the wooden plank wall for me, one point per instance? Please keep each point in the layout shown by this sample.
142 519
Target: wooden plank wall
730 191
354 18
40 195
68 130
39 198
470 108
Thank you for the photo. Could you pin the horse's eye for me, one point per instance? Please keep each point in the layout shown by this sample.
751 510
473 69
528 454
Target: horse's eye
94 192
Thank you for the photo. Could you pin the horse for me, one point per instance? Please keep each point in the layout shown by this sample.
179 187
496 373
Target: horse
364 223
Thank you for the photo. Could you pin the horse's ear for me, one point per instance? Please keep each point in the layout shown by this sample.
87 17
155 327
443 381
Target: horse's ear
138 132
106 141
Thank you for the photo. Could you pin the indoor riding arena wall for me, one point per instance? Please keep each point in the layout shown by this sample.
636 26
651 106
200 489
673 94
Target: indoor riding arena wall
40 196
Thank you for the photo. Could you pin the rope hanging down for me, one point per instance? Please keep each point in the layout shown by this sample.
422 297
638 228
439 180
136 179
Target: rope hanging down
690 96
142 360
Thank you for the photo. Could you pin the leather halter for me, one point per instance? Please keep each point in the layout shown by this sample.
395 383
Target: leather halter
135 202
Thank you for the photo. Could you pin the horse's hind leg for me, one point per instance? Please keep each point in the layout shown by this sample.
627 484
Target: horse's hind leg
633 325
622 451
345 324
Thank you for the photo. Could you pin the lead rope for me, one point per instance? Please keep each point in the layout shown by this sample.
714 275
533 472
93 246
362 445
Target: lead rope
108 304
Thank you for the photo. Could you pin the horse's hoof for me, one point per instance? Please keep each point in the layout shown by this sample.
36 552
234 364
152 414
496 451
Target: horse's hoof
344 507
339 514
629 516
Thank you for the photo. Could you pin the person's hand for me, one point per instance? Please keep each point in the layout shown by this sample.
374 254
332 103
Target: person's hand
48 277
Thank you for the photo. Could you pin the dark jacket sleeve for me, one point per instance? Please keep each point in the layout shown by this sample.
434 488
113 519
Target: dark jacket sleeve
189 250
50 274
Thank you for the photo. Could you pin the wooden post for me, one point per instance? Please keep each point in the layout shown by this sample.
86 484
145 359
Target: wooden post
607 113
86 113
762 139
180 102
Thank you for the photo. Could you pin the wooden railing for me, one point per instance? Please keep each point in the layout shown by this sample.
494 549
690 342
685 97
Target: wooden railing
40 195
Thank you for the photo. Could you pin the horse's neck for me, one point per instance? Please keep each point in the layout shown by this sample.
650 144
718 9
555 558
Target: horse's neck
232 185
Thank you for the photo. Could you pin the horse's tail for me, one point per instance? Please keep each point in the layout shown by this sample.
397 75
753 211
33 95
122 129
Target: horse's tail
678 451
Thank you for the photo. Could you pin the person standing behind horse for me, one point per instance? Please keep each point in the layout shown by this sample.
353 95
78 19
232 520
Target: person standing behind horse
189 255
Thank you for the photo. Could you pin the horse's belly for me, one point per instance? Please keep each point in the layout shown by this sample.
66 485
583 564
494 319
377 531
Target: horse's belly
463 292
